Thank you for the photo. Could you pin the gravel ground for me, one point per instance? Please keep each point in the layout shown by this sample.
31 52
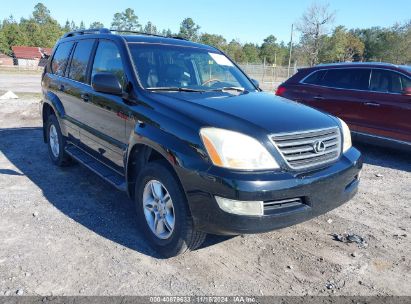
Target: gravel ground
19 82
67 232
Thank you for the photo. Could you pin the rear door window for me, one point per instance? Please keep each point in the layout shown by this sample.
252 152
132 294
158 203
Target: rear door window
315 78
60 58
385 81
108 59
80 59
354 79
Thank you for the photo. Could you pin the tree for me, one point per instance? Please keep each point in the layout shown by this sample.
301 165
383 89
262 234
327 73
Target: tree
189 30
41 14
167 33
96 25
217 41
391 44
371 38
4 45
397 42
67 27
235 51
41 29
82 26
251 53
73 26
269 49
150 28
14 34
127 21
341 46
313 26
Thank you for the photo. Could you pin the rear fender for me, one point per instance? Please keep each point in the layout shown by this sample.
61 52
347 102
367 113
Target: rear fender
54 102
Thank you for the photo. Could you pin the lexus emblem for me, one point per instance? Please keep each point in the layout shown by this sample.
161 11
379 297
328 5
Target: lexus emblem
319 146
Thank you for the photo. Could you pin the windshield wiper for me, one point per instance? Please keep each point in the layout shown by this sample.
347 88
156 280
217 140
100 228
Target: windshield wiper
224 89
174 89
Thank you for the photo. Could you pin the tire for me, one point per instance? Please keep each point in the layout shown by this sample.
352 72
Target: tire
56 143
183 236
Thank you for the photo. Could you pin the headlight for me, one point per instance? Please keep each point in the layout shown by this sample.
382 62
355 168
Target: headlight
346 135
234 150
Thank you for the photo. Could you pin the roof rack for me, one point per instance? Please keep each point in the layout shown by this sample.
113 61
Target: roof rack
109 31
89 31
144 33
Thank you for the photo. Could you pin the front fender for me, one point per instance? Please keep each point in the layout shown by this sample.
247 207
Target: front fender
184 156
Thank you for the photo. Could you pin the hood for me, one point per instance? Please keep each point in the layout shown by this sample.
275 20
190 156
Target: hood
266 111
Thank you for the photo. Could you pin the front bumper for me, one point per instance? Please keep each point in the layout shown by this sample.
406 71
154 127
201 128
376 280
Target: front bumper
320 191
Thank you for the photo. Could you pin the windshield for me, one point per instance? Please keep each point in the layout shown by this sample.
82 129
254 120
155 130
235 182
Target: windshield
188 68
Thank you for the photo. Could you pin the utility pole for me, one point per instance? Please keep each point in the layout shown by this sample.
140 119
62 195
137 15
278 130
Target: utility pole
291 48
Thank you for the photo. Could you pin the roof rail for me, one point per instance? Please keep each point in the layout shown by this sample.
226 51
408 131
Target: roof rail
147 34
135 32
108 31
89 31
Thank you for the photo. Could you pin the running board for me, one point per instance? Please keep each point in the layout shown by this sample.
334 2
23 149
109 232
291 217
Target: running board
97 167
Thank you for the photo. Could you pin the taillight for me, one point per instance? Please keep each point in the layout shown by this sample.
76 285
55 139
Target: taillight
280 91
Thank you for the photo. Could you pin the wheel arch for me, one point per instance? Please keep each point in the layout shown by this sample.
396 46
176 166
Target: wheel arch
141 154
51 105
148 143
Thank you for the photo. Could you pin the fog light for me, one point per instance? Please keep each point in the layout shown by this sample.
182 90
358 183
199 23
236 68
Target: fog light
240 207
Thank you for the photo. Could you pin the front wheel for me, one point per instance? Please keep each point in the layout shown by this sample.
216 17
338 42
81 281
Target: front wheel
163 212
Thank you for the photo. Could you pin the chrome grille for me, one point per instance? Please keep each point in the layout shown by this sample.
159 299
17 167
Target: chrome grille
309 149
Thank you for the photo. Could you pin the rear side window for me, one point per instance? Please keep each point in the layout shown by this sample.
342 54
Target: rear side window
385 81
80 59
405 82
108 59
357 79
60 58
315 78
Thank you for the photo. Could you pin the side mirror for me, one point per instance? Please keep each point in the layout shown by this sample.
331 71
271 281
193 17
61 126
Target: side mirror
407 91
256 82
106 83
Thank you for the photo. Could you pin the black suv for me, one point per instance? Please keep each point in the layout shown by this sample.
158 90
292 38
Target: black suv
191 139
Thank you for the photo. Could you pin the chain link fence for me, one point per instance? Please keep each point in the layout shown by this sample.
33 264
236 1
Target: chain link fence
269 76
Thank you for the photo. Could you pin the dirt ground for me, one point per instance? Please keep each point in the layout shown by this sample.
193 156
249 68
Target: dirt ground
67 232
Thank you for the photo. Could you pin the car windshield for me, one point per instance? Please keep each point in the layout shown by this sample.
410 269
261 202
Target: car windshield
186 69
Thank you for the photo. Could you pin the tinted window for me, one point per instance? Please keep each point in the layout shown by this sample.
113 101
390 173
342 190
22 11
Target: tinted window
315 78
405 82
108 59
60 58
385 81
80 59
357 79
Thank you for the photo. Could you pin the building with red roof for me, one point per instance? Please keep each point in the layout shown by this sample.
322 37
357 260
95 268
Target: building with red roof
30 55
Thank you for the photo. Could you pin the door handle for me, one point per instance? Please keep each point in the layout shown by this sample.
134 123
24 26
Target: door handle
372 104
61 87
318 98
85 97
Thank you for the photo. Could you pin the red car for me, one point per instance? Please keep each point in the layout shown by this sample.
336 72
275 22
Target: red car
373 98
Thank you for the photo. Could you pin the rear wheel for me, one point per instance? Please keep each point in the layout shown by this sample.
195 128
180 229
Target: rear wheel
163 213
56 142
